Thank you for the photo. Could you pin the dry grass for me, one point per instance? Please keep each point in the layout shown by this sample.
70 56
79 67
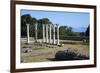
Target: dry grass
44 53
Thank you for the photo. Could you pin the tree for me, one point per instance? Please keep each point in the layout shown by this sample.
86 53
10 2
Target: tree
87 31
40 23
62 31
69 31
32 27
66 31
44 21
34 20
82 33
25 19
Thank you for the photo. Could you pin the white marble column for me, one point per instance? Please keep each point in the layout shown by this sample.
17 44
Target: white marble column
57 34
43 25
54 34
36 32
50 33
47 33
28 41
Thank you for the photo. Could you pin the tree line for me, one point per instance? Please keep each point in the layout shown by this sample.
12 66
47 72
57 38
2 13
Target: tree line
63 30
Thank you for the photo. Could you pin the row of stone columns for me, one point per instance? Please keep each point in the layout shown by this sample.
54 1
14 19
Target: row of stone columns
46 36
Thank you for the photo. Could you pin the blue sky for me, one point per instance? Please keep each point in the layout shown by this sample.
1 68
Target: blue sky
79 21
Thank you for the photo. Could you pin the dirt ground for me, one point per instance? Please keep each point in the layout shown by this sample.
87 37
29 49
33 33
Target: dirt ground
46 52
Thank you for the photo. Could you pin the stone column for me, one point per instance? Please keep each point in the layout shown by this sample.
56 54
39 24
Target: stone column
47 33
36 32
54 34
50 34
28 41
43 25
57 34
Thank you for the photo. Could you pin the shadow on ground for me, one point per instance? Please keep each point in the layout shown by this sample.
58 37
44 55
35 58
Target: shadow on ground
54 59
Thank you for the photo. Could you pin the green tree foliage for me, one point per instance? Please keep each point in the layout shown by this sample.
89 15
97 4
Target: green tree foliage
87 31
69 31
27 19
40 22
63 30
66 31
81 33
32 26
44 21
